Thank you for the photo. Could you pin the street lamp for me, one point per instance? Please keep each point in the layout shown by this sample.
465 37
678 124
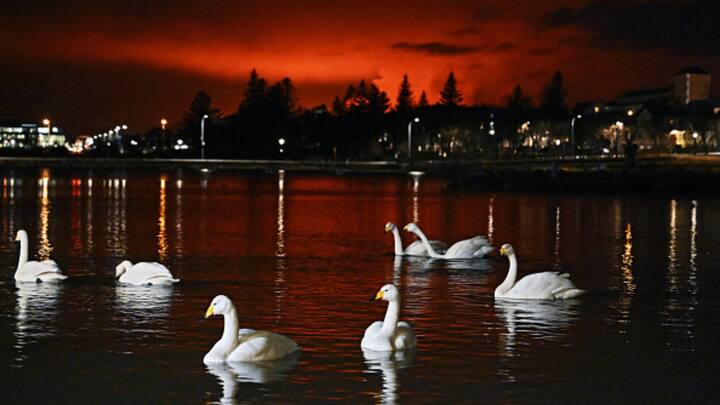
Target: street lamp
281 142
163 122
46 122
202 136
572 132
416 119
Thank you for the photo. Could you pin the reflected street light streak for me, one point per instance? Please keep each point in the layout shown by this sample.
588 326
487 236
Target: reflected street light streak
46 247
557 238
416 202
280 249
179 236
162 230
672 247
627 262
491 220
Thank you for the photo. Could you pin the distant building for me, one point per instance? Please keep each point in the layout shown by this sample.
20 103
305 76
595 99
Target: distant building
24 135
691 84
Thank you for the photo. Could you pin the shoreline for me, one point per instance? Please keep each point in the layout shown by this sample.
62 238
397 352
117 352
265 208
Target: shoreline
677 173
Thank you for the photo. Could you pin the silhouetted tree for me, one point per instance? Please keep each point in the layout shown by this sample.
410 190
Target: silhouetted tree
255 94
405 98
517 104
423 100
552 98
450 94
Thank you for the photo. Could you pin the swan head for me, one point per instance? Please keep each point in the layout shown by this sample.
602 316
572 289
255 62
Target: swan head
122 268
411 227
220 305
21 234
507 250
388 292
389 227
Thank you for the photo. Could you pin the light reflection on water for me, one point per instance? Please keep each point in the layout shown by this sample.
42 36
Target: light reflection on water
301 255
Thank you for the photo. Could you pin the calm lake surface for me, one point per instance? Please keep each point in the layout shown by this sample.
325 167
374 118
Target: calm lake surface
302 254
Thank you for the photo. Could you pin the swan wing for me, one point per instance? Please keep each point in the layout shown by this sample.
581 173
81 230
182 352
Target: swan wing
47 270
417 248
546 285
404 337
261 346
242 332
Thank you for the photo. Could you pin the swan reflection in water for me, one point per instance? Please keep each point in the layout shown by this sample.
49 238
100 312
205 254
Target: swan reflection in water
540 319
144 304
388 364
232 374
36 309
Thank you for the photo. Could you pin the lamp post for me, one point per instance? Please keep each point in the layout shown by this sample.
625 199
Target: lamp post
46 122
202 136
416 119
572 133
163 123
281 142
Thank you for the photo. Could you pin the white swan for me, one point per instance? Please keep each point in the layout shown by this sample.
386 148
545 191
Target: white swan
549 285
473 248
389 335
46 270
417 248
244 344
143 273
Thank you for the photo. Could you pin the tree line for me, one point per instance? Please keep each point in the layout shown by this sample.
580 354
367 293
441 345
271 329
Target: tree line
361 123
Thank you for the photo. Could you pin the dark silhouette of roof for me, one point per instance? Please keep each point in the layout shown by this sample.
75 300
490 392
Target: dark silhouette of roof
693 70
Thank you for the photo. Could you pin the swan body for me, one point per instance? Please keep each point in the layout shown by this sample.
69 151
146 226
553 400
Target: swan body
549 285
32 271
416 248
143 273
473 248
244 344
389 335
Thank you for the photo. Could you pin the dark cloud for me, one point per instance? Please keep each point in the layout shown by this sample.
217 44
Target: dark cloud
503 47
679 26
436 48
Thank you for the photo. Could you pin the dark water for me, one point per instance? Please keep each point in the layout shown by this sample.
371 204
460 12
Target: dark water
302 254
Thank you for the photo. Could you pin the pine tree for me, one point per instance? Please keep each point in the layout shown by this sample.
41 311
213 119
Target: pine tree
450 94
552 98
517 102
405 98
423 100
255 94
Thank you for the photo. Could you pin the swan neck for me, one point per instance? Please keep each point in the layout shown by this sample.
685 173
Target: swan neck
23 250
398 242
230 331
392 315
427 244
511 276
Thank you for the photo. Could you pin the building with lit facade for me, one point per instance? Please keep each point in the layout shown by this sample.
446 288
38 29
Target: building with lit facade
28 135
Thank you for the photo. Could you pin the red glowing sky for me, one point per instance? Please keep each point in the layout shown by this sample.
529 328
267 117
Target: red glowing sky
91 65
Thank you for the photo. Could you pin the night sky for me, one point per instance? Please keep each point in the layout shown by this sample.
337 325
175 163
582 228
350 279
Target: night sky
90 65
